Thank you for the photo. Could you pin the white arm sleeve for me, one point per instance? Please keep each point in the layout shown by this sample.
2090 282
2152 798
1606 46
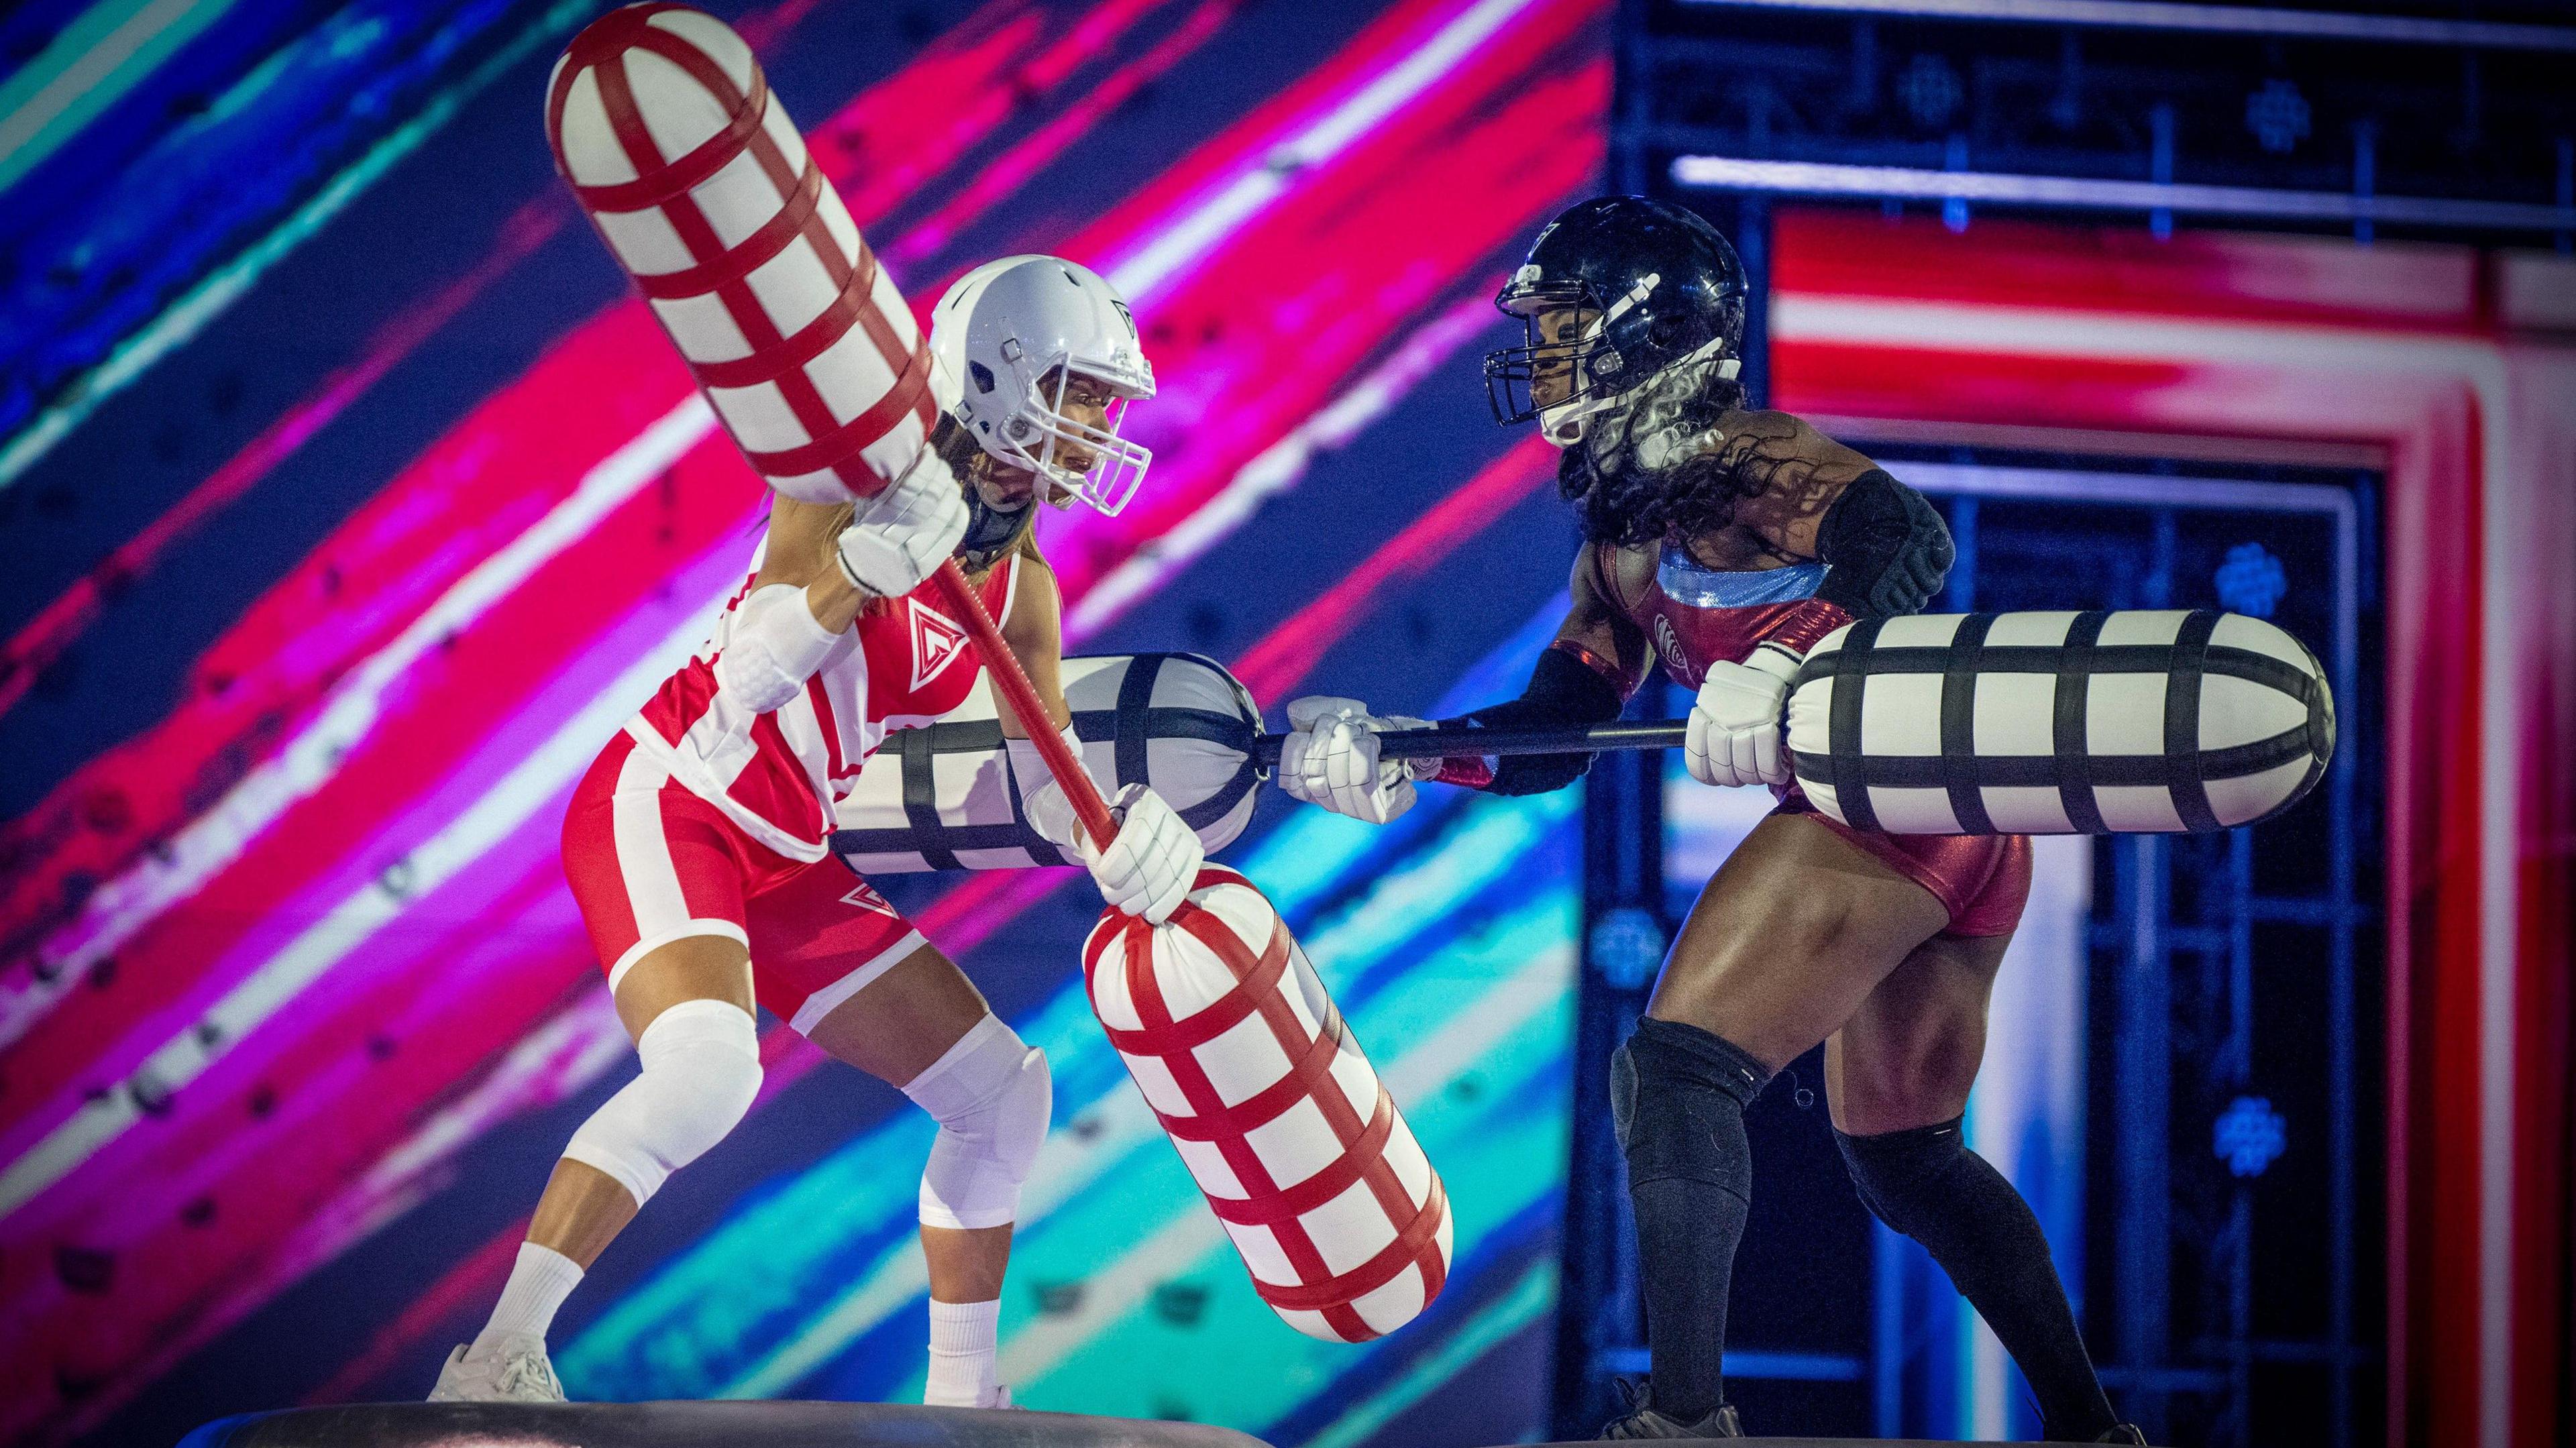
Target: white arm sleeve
774 646
1041 798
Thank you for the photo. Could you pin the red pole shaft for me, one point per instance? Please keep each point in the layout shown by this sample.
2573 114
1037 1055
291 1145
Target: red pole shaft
1013 681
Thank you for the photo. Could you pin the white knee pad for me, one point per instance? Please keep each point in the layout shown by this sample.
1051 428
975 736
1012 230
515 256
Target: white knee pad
701 1069
990 1095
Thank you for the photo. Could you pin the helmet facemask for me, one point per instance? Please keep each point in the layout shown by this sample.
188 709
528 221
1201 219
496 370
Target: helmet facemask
1597 377
1049 358
1513 374
1041 436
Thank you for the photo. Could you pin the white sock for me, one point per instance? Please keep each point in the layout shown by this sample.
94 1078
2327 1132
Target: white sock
539 1282
963 1342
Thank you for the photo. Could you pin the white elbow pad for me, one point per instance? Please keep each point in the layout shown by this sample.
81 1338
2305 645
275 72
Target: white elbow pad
775 645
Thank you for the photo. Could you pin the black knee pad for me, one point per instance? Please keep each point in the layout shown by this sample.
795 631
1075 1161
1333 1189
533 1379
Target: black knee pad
1677 1099
1892 1170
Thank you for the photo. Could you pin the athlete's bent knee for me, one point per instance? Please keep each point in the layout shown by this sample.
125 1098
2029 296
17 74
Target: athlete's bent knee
701 1071
991 1095
1677 1099
1897 1173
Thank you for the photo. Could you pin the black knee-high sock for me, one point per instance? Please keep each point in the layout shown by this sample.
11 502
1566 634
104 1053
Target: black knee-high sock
1677 1096
1928 1185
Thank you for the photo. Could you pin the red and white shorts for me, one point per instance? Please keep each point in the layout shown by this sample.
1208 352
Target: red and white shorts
651 863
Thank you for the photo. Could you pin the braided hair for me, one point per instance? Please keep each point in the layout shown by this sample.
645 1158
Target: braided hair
1649 471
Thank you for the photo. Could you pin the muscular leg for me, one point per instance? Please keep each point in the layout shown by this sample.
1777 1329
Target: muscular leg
1908 1056
894 1029
688 1005
1795 931
584 1208
1897 1075
923 1018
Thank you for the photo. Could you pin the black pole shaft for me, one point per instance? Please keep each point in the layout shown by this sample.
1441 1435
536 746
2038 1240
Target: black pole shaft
1441 743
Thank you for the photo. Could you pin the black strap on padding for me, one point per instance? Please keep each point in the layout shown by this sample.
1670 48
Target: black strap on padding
2182 768
1135 696
921 796
983 736
2235 663
1215 807
2321 727
1959 725
1131 724
1843 736
1041 850
2182 720
1013 836
2075 782
2043 771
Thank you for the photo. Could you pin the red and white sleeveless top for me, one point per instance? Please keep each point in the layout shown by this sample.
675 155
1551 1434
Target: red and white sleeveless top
777 775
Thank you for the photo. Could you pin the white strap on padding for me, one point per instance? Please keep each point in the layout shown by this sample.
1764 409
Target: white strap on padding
991 1095
773 647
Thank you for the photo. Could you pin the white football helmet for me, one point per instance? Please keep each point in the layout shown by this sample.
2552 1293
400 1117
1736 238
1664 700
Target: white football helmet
1014 333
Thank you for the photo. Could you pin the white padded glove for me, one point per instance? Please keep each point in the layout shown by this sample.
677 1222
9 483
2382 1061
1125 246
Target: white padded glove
902 535
1735 732
1148 868
1330 759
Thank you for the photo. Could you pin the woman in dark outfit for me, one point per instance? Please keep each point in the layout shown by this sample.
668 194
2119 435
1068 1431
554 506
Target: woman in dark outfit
1725 544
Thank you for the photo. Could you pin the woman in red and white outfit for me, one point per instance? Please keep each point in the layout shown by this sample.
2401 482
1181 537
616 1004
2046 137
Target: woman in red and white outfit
697 844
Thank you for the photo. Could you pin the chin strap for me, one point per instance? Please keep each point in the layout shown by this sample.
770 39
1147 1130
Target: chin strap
989 530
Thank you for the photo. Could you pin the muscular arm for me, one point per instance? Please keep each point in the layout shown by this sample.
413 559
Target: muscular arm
1888 548
800 553
1798 471
1035 633
796 612
1584 677
1597 629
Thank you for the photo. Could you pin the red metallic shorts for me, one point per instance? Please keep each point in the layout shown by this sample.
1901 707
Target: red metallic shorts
1982 880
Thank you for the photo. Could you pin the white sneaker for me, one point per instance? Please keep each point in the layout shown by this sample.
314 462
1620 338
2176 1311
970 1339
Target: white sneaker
515 1371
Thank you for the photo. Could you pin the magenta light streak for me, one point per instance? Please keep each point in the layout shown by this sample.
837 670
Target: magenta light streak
1012 169
1278 467
571 689
561 1059
1226 187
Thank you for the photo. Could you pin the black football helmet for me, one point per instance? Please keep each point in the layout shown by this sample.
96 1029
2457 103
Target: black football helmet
1659 287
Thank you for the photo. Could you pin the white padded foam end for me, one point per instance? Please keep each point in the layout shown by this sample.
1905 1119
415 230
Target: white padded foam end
712 36
678 113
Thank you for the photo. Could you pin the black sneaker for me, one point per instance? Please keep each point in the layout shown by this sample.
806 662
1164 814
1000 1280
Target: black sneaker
2128 1433
1642 1421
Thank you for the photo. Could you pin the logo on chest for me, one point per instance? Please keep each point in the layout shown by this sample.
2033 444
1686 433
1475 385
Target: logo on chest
1676 660
866 898
937 640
